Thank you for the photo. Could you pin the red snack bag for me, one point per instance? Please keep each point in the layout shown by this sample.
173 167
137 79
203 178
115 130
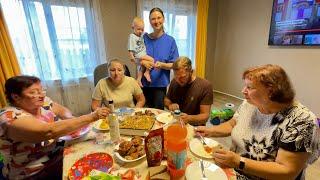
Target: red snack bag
154 147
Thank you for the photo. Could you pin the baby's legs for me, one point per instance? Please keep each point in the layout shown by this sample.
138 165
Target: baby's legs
139 76
150 60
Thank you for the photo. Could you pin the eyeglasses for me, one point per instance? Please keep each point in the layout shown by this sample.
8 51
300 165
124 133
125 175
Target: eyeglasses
37 93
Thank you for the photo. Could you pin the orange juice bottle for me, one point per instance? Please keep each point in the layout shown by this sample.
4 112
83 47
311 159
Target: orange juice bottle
176 148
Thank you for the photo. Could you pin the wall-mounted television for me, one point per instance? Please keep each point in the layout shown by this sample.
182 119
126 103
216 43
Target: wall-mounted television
295 22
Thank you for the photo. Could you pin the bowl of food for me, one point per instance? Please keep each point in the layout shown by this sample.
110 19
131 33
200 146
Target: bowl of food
131 151
101 124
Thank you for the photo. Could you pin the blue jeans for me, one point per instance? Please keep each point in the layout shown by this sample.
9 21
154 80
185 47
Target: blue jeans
154 96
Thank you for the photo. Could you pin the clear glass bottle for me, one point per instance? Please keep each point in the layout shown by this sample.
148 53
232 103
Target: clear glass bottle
113 124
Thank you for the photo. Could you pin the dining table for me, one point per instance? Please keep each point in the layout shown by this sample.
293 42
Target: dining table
80 147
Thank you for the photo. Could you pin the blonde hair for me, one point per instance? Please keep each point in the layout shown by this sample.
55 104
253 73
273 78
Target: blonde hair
182 62
137 20
115 61
275 79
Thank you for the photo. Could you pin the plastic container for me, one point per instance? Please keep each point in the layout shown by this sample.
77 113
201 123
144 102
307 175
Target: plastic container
176 145
218 116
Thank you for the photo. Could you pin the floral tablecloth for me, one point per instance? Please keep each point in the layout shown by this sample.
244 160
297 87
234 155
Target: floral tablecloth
87 145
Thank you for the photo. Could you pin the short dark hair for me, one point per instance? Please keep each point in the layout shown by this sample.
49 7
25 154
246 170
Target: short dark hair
16 84
156 9
274 78
182 62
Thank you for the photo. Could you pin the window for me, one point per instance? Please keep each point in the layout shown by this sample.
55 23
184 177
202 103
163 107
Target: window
53 39
180 22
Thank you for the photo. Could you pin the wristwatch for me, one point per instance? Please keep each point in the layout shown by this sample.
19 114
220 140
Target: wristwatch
242 164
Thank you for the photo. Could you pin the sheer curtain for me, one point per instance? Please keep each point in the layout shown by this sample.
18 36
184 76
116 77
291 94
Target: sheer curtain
60 42
180 21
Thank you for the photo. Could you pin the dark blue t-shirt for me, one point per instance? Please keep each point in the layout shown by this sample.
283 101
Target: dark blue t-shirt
163 49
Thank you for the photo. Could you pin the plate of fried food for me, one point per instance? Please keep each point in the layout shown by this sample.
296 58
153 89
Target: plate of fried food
101 124
204 151
131 151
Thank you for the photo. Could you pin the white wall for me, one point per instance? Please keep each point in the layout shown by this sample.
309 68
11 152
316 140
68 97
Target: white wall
241 41
117 16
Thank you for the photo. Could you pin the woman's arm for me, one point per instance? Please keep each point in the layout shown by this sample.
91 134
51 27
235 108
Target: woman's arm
141 100
95 104
61 111
162 65
29 129
287 165
221 130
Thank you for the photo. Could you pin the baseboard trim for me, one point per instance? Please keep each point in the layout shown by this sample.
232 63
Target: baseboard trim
228 95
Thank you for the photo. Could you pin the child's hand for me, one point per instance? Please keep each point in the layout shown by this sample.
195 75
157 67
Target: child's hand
133 60
148 65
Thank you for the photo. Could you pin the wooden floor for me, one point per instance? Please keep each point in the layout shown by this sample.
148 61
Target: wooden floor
220 100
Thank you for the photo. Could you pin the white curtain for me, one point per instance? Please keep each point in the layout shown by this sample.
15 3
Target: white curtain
180 21
60 41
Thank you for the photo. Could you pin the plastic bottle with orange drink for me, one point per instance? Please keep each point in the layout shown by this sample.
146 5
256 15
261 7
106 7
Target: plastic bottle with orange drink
176 147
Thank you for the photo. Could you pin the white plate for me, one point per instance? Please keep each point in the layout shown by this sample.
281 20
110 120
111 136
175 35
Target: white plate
77 134
164 117
126 160
211 170
97 124
197 148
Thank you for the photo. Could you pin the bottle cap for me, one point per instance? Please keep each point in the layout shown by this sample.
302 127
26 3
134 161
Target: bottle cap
177 112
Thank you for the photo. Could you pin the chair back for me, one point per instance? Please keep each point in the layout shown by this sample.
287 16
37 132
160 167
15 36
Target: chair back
101 71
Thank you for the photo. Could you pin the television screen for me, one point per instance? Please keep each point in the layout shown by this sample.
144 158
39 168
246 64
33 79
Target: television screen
295 22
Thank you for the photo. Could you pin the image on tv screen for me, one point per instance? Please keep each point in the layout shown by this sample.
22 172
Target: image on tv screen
295 22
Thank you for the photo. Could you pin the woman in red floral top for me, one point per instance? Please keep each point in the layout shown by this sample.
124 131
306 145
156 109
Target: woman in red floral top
30 126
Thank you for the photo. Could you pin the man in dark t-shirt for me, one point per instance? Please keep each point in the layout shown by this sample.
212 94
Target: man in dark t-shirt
192 95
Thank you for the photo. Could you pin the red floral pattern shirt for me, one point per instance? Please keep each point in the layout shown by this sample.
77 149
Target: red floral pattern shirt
24 159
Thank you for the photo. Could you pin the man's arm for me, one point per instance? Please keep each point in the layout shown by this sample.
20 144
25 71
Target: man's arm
197 119
169 105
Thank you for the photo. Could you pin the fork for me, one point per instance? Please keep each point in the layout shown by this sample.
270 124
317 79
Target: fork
204 177
202 140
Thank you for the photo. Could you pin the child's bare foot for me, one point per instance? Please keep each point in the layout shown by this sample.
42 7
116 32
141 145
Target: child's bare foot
147 76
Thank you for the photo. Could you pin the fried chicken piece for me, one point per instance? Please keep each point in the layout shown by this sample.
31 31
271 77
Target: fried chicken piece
134 155
125 146
136 141
132 150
